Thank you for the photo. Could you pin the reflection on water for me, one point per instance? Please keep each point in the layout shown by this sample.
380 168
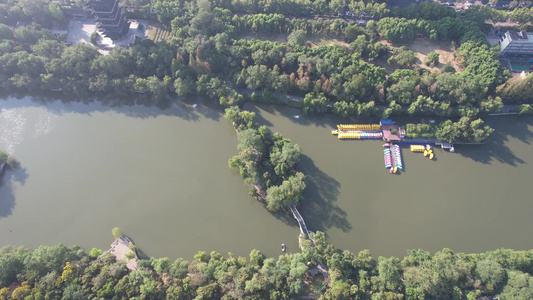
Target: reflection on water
12 128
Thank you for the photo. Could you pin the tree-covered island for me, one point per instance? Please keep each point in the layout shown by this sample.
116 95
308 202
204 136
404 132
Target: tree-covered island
352 58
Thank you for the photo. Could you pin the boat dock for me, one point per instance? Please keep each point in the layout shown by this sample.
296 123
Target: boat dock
120 248
394 136
358 131
397 157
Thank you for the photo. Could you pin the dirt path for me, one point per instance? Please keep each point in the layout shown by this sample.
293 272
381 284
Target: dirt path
423 47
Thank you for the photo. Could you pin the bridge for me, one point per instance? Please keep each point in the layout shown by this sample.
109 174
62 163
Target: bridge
320 267
301 223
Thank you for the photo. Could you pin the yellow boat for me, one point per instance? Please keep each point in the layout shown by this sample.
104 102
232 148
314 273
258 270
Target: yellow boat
426 153
358 127
417 148
335 132
431 156
395 170
428 147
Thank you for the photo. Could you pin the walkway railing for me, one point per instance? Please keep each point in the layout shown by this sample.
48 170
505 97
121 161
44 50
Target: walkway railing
301 222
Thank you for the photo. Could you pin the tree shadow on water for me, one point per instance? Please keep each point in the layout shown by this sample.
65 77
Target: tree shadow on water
319 207
7 193
517 126
190 108
296 115
252 107
493 150
496 149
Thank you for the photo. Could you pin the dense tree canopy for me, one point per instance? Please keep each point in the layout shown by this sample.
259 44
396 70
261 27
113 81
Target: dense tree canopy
62 272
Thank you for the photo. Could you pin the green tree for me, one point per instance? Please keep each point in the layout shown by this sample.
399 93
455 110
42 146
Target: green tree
351 32
284 156
344 108
256 258
491 273
288 193
22 291
10 266
422 106
94 38
389 273
522 15
117 232
297 37
525 109
6 32
314 103
201 256
404 58
433 58
95 252
393 109
519 286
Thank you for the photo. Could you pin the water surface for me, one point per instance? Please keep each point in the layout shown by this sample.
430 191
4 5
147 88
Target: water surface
162 176
474 200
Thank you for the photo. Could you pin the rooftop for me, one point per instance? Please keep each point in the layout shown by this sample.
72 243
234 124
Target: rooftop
391 132
522 35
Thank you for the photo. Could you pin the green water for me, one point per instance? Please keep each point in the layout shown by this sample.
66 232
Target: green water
162 177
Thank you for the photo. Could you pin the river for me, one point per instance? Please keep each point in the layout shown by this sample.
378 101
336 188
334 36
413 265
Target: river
474 200
162 176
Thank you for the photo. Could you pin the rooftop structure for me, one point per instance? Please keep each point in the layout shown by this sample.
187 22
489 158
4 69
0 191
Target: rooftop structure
391 131
109 18
517 45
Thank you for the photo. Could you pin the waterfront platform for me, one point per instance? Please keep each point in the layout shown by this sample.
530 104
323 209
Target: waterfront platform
120 247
